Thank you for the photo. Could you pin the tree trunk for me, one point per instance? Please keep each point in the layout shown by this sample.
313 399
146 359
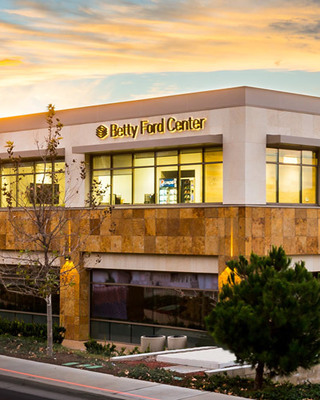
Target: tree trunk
259 376
49 326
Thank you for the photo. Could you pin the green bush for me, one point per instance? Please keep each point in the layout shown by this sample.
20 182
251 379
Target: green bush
93 347
244 387
39 331
145 373
108 350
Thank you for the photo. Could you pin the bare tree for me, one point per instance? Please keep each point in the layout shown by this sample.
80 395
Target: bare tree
45 232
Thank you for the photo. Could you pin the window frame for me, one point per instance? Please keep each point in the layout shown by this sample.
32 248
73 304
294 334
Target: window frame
16 180
300 165
155 167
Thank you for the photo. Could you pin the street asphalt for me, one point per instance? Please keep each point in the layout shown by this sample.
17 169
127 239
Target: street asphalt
58 378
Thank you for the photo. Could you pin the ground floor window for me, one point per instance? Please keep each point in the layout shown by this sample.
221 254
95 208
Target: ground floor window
19 302
162 177
291 176
162 298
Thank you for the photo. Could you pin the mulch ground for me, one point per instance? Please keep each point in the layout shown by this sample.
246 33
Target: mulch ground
82 360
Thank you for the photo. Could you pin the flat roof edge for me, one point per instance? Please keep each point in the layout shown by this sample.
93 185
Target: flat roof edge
31 153
175 104
279 140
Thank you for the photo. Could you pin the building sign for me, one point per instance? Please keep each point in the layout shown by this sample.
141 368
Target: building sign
145 127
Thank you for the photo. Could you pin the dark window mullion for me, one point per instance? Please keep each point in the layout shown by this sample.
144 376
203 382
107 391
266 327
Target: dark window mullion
203 177
300 194
178 183
17 187
317 179
278 178
132 179
111 179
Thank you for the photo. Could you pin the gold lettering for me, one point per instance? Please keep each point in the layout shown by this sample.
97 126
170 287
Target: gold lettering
143 125
120 132
102 132
170 127
114 130
135 130
202 121
196 124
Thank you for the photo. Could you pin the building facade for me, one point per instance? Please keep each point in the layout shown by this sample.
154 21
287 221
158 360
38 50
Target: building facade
194 180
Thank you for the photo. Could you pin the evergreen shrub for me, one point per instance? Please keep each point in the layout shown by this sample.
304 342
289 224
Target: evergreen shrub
39 331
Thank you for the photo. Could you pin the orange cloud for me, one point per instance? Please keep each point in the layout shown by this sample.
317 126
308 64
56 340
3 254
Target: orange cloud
159 36
6 62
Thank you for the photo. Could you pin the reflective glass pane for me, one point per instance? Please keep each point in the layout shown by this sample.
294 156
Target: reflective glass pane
26 168
9 183
45 178
213 183
289 184
101 162
213 155
46 193
167 185
309 157
167 157
309 179
148 306
289 156
43 167
8 169
135 303
109 302
191 310
26 190
122 186
101 186
191 184
190 156
271 181
122 161
60 188
143 179
272 155
166 306
59 166
143 159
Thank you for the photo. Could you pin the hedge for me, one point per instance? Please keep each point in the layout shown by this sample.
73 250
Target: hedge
39 331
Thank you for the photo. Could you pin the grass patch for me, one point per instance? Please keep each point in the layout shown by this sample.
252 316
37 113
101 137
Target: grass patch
24 346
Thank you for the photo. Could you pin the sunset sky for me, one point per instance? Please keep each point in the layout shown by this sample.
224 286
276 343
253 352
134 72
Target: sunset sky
84 52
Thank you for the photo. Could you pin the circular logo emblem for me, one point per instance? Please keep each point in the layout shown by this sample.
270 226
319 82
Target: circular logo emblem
102 132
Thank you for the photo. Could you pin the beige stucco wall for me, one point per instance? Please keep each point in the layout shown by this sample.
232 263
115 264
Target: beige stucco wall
244 131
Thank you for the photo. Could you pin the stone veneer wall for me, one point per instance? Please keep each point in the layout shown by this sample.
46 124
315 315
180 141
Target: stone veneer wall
221 231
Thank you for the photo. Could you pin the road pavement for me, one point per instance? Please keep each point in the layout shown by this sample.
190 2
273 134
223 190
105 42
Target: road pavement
81 383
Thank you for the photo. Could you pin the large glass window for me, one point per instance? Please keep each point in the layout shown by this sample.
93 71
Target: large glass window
21 302
165 177
33 183
291 176
161 298
122 186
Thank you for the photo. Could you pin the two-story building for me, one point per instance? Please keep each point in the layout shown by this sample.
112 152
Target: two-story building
194 180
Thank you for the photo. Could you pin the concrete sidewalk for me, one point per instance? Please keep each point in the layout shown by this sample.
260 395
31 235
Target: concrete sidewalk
81 381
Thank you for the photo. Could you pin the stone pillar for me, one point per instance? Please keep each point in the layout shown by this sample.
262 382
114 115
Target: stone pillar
244 156
74 304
